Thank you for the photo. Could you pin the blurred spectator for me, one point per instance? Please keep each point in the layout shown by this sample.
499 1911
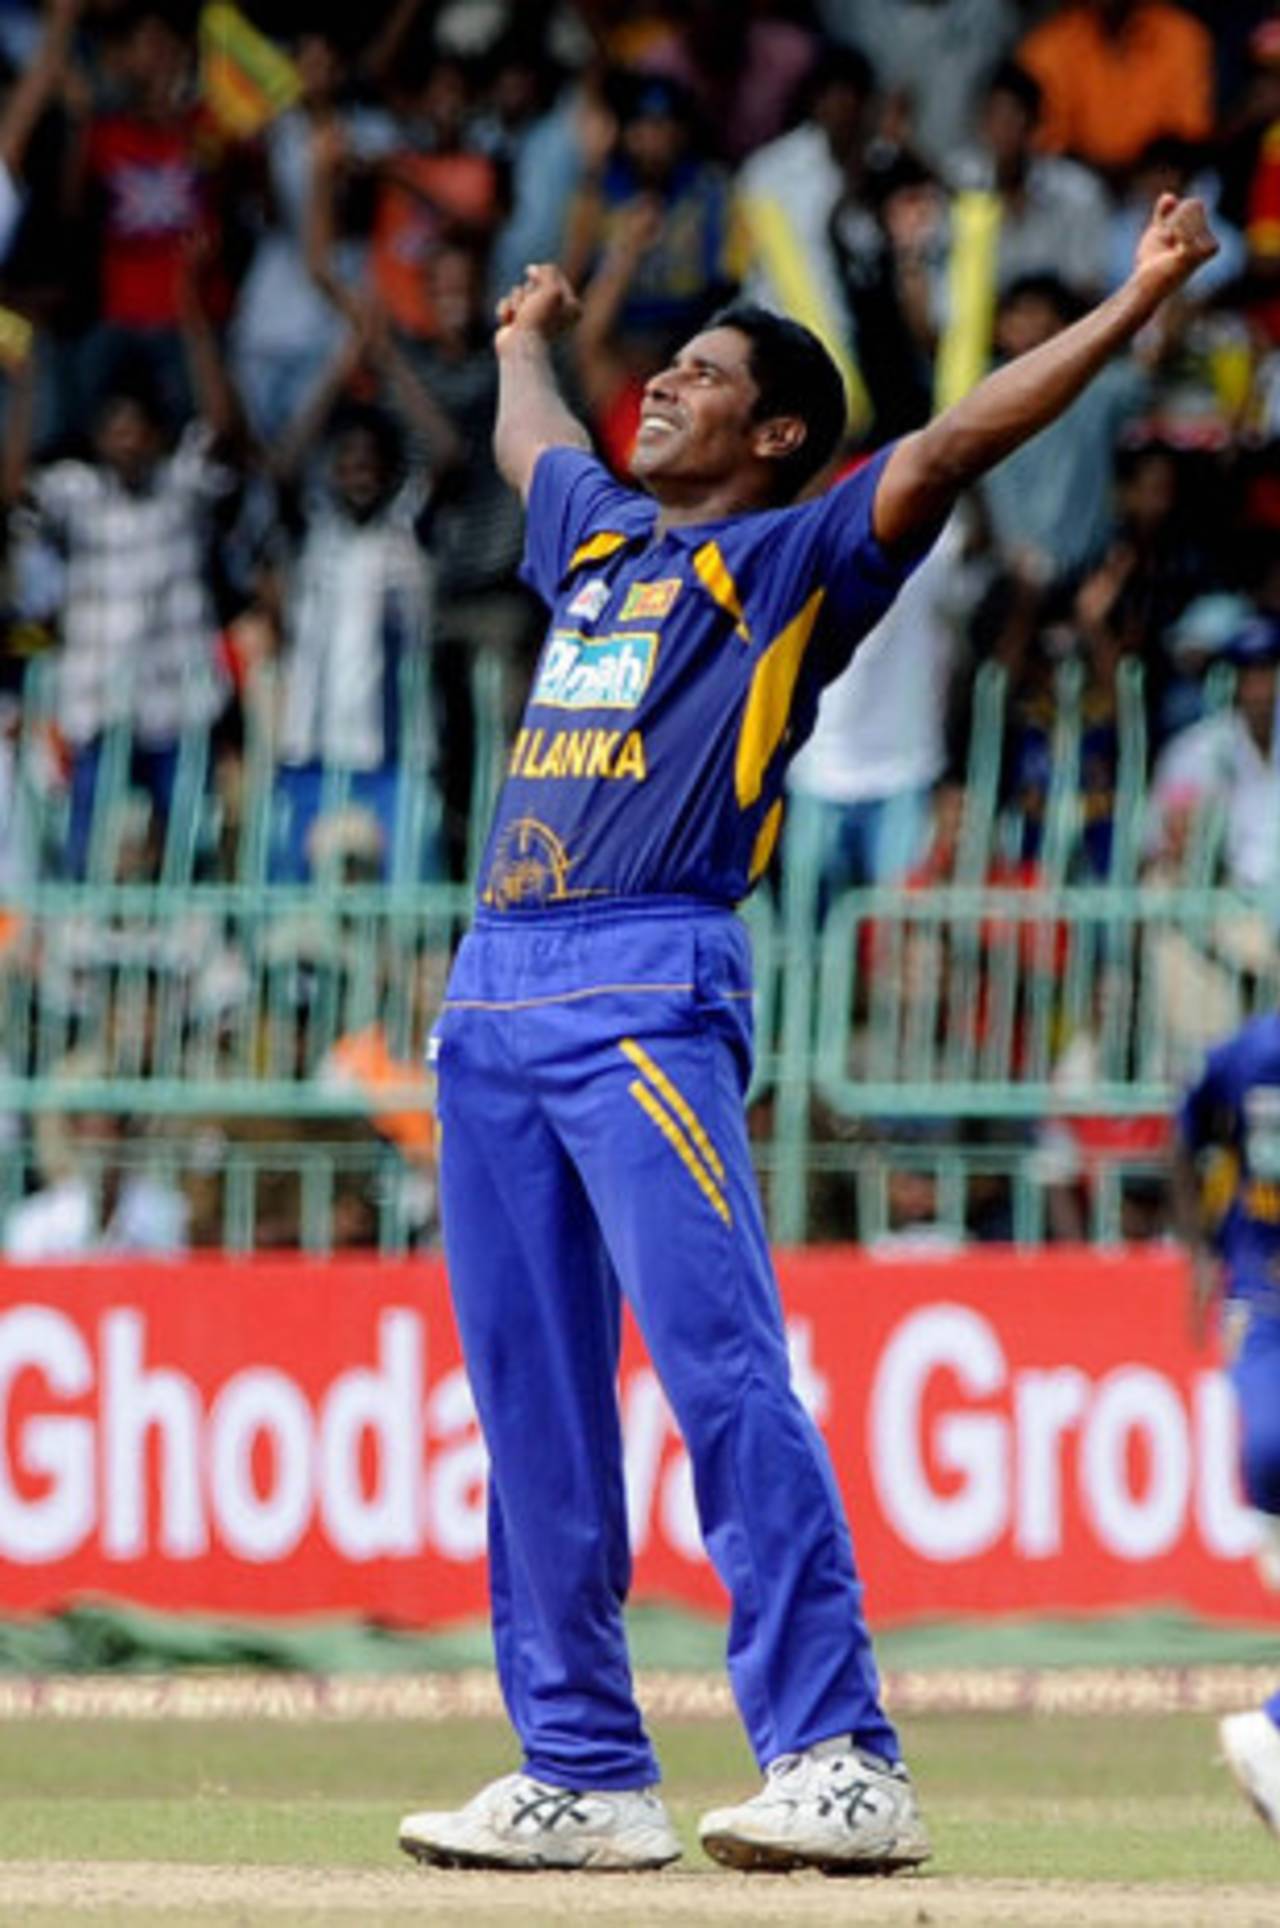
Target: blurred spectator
931 56
681 275
1053 212
862 786
786 194
1262 203
1230 763
1191 645
138 630
17 868
1170 165
885 232
93 1202
358 615
1050 503
146 178
438 188
613 368
284 331
744 67
1248 119
24 106
539 134
1115 74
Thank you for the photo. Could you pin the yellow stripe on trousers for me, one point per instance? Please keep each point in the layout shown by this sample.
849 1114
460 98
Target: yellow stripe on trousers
676 1099
681 1147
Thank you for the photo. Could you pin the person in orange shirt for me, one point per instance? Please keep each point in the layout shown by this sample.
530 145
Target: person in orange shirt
1117 73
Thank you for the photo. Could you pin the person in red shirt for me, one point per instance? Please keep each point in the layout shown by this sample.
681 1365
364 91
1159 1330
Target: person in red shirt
145 180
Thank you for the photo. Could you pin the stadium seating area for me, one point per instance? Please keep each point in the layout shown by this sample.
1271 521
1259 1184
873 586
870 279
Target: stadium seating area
243 785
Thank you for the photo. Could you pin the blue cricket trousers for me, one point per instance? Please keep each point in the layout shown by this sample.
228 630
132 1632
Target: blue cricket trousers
1255 1373
592 1064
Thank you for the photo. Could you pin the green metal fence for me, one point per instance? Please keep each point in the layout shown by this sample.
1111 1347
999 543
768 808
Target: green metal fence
944 1038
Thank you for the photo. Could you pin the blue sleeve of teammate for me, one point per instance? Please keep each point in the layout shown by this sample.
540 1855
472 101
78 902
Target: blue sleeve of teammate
572 496
860 577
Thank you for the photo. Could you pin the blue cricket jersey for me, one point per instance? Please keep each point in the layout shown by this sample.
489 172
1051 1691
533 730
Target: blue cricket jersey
1234 1107
680 674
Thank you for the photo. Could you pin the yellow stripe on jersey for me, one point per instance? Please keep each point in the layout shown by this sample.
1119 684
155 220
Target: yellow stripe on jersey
769 701
713 574
766 841
1219 1183
681 1147
596 548
676 1099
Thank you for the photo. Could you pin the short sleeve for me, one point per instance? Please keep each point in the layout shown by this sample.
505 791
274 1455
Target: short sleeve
57 494
572 497
861 578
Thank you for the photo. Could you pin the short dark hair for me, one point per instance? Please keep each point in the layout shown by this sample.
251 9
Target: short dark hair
366 418
1043 286
795 376
1010 77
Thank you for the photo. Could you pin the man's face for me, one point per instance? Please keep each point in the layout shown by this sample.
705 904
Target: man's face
696 420
127 441
359 475
1005 127
1256 698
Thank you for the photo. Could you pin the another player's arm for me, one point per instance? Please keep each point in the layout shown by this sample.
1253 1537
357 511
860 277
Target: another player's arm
532 413
929 470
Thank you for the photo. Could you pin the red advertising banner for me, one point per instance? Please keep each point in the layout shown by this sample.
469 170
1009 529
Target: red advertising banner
1012 1433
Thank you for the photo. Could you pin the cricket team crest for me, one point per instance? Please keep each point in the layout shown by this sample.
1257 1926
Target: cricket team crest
649 601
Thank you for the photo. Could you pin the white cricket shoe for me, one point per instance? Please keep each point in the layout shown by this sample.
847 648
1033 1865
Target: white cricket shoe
518 1822
831 1807
1251 1747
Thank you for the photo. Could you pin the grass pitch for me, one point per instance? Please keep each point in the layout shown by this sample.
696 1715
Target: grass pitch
1035 1821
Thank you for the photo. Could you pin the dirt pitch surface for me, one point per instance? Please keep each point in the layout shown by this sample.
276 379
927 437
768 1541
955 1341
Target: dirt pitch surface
142 1892
272 1800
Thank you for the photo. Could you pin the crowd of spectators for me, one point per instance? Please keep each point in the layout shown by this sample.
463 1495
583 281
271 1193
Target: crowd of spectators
248 260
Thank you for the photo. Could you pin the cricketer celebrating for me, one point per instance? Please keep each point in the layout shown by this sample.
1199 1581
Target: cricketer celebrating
594 1049
1229 1218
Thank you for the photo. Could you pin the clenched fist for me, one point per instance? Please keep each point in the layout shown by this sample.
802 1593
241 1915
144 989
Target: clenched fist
543 304
1176 241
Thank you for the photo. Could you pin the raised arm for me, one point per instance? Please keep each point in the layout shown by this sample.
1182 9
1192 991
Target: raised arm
37 84
929 470
532 414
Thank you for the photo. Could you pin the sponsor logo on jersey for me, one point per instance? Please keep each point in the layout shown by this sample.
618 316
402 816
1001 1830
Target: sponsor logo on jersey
588 673
649 601
590 601
613 755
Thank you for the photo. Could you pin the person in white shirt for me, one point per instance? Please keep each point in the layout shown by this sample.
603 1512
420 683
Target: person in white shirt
1232 760
358 619
862 784
93 1203
133 525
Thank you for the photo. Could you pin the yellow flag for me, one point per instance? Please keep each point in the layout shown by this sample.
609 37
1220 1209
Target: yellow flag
965 349
15 338
244 77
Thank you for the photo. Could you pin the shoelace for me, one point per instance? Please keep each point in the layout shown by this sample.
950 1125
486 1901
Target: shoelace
786 1764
